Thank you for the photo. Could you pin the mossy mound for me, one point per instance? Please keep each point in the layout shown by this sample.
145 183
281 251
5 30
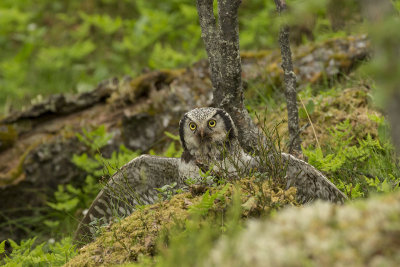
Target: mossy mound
329 109
348 104
135 235
362 233
138 234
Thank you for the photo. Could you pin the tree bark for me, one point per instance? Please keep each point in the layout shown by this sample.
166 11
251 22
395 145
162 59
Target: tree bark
289 78
222 45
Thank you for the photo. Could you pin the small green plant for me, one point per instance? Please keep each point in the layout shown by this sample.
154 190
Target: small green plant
353 191
357 166
167 191
94 139
207 201
70 200
45 254
98 225
387 185
99 166
205 178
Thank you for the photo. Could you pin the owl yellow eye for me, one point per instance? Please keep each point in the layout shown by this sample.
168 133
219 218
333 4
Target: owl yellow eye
212 123
192 126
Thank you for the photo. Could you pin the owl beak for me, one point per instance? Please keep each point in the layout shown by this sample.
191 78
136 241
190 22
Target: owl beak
201 133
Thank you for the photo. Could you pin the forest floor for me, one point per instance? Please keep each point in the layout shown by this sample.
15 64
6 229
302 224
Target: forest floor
250 221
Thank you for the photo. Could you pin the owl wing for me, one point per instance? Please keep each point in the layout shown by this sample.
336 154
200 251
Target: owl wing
133 184
310 183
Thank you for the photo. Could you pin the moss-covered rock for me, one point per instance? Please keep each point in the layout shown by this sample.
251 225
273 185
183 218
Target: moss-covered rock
137 235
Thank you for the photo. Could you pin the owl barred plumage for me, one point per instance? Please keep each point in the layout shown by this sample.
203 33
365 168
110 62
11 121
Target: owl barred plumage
208 136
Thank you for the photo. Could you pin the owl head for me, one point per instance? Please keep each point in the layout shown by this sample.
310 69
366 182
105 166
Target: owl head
203 131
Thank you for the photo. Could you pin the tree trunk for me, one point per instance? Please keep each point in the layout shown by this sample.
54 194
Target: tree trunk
222 45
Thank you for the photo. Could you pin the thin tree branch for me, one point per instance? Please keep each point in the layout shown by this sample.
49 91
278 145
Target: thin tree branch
289 78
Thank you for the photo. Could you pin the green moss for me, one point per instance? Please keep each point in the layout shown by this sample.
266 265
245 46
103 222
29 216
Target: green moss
8 136
344 60
133 236
137 235
16 172
329 109
144 83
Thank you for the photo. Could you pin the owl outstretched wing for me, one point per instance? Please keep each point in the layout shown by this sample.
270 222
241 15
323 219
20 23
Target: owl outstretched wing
311 184
133 184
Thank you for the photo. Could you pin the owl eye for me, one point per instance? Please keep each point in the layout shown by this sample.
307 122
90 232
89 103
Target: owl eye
212 123
192 126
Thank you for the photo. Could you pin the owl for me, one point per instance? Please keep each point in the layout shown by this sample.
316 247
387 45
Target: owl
209 139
